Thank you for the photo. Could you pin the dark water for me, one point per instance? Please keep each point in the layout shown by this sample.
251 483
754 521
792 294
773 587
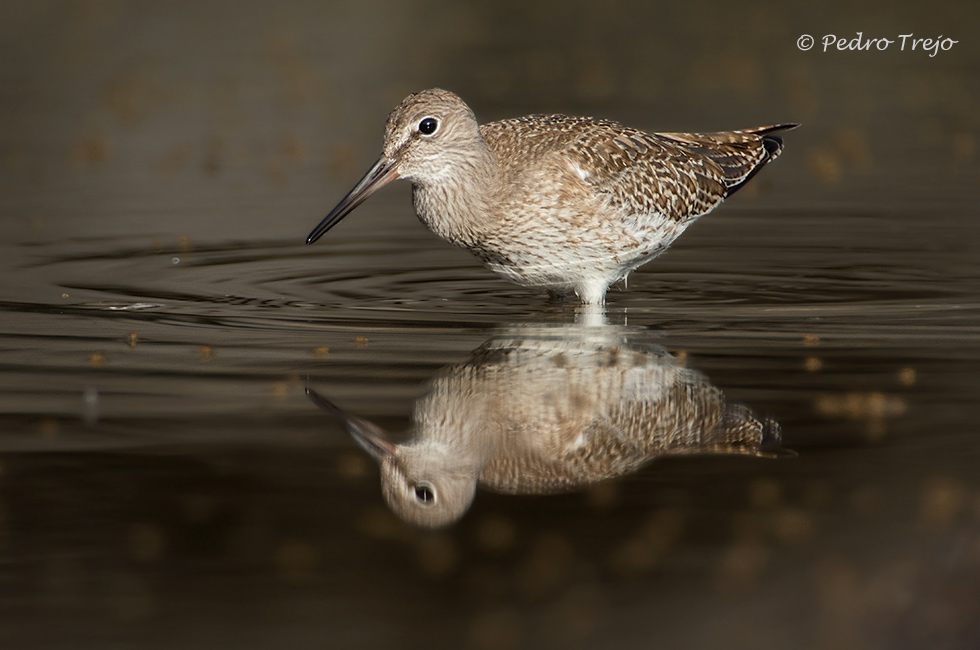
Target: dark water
166 483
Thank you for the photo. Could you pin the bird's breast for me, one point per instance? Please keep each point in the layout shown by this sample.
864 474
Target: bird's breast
449 213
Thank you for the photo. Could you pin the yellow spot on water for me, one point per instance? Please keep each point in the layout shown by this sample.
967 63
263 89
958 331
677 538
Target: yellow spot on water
943 499
89 151
131 340
857 406
852 145
321 352
207 352
96 360
361 342
292 148
352 466
793 525
48 427
342 161
907 377
825 165
874 408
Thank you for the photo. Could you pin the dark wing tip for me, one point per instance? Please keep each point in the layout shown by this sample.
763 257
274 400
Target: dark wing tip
772 434
773 144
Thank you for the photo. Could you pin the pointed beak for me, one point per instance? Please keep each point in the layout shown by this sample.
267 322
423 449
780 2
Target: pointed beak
383 172
369 436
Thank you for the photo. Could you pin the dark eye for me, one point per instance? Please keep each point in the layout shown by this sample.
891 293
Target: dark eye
425 495
428 126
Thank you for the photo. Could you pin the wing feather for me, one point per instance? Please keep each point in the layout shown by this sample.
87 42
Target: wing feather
679 176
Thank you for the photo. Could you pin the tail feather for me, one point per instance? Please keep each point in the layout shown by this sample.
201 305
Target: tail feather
773 145
737 153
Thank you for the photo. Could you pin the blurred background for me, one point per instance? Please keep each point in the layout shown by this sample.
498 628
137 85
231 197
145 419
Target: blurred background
164 482
178 106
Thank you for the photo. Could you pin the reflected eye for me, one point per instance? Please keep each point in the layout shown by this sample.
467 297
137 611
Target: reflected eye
425 495
428 126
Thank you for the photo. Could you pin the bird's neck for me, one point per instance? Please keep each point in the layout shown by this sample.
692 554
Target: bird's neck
456 203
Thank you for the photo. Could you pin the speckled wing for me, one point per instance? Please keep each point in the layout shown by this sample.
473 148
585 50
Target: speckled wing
677 175
738 154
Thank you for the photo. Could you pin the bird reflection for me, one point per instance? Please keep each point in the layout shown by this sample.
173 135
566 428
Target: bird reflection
550 408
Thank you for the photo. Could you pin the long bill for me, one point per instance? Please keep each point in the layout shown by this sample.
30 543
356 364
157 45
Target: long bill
383 172
368 435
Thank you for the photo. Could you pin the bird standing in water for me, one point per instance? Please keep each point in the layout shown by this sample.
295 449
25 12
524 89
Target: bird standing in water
567 204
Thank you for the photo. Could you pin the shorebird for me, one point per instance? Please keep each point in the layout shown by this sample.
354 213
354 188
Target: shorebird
540 410
568 204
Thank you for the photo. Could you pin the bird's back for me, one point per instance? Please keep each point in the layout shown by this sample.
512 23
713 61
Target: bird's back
676 175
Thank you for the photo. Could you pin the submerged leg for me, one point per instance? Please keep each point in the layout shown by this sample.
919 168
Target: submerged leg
592 292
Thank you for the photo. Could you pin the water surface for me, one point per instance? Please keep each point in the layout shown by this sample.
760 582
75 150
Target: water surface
165 482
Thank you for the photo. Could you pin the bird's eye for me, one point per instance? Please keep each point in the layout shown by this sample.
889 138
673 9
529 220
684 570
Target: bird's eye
428 126
425 495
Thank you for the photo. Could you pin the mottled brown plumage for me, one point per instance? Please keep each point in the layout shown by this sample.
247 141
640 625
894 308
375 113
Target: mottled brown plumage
543 409
552 201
